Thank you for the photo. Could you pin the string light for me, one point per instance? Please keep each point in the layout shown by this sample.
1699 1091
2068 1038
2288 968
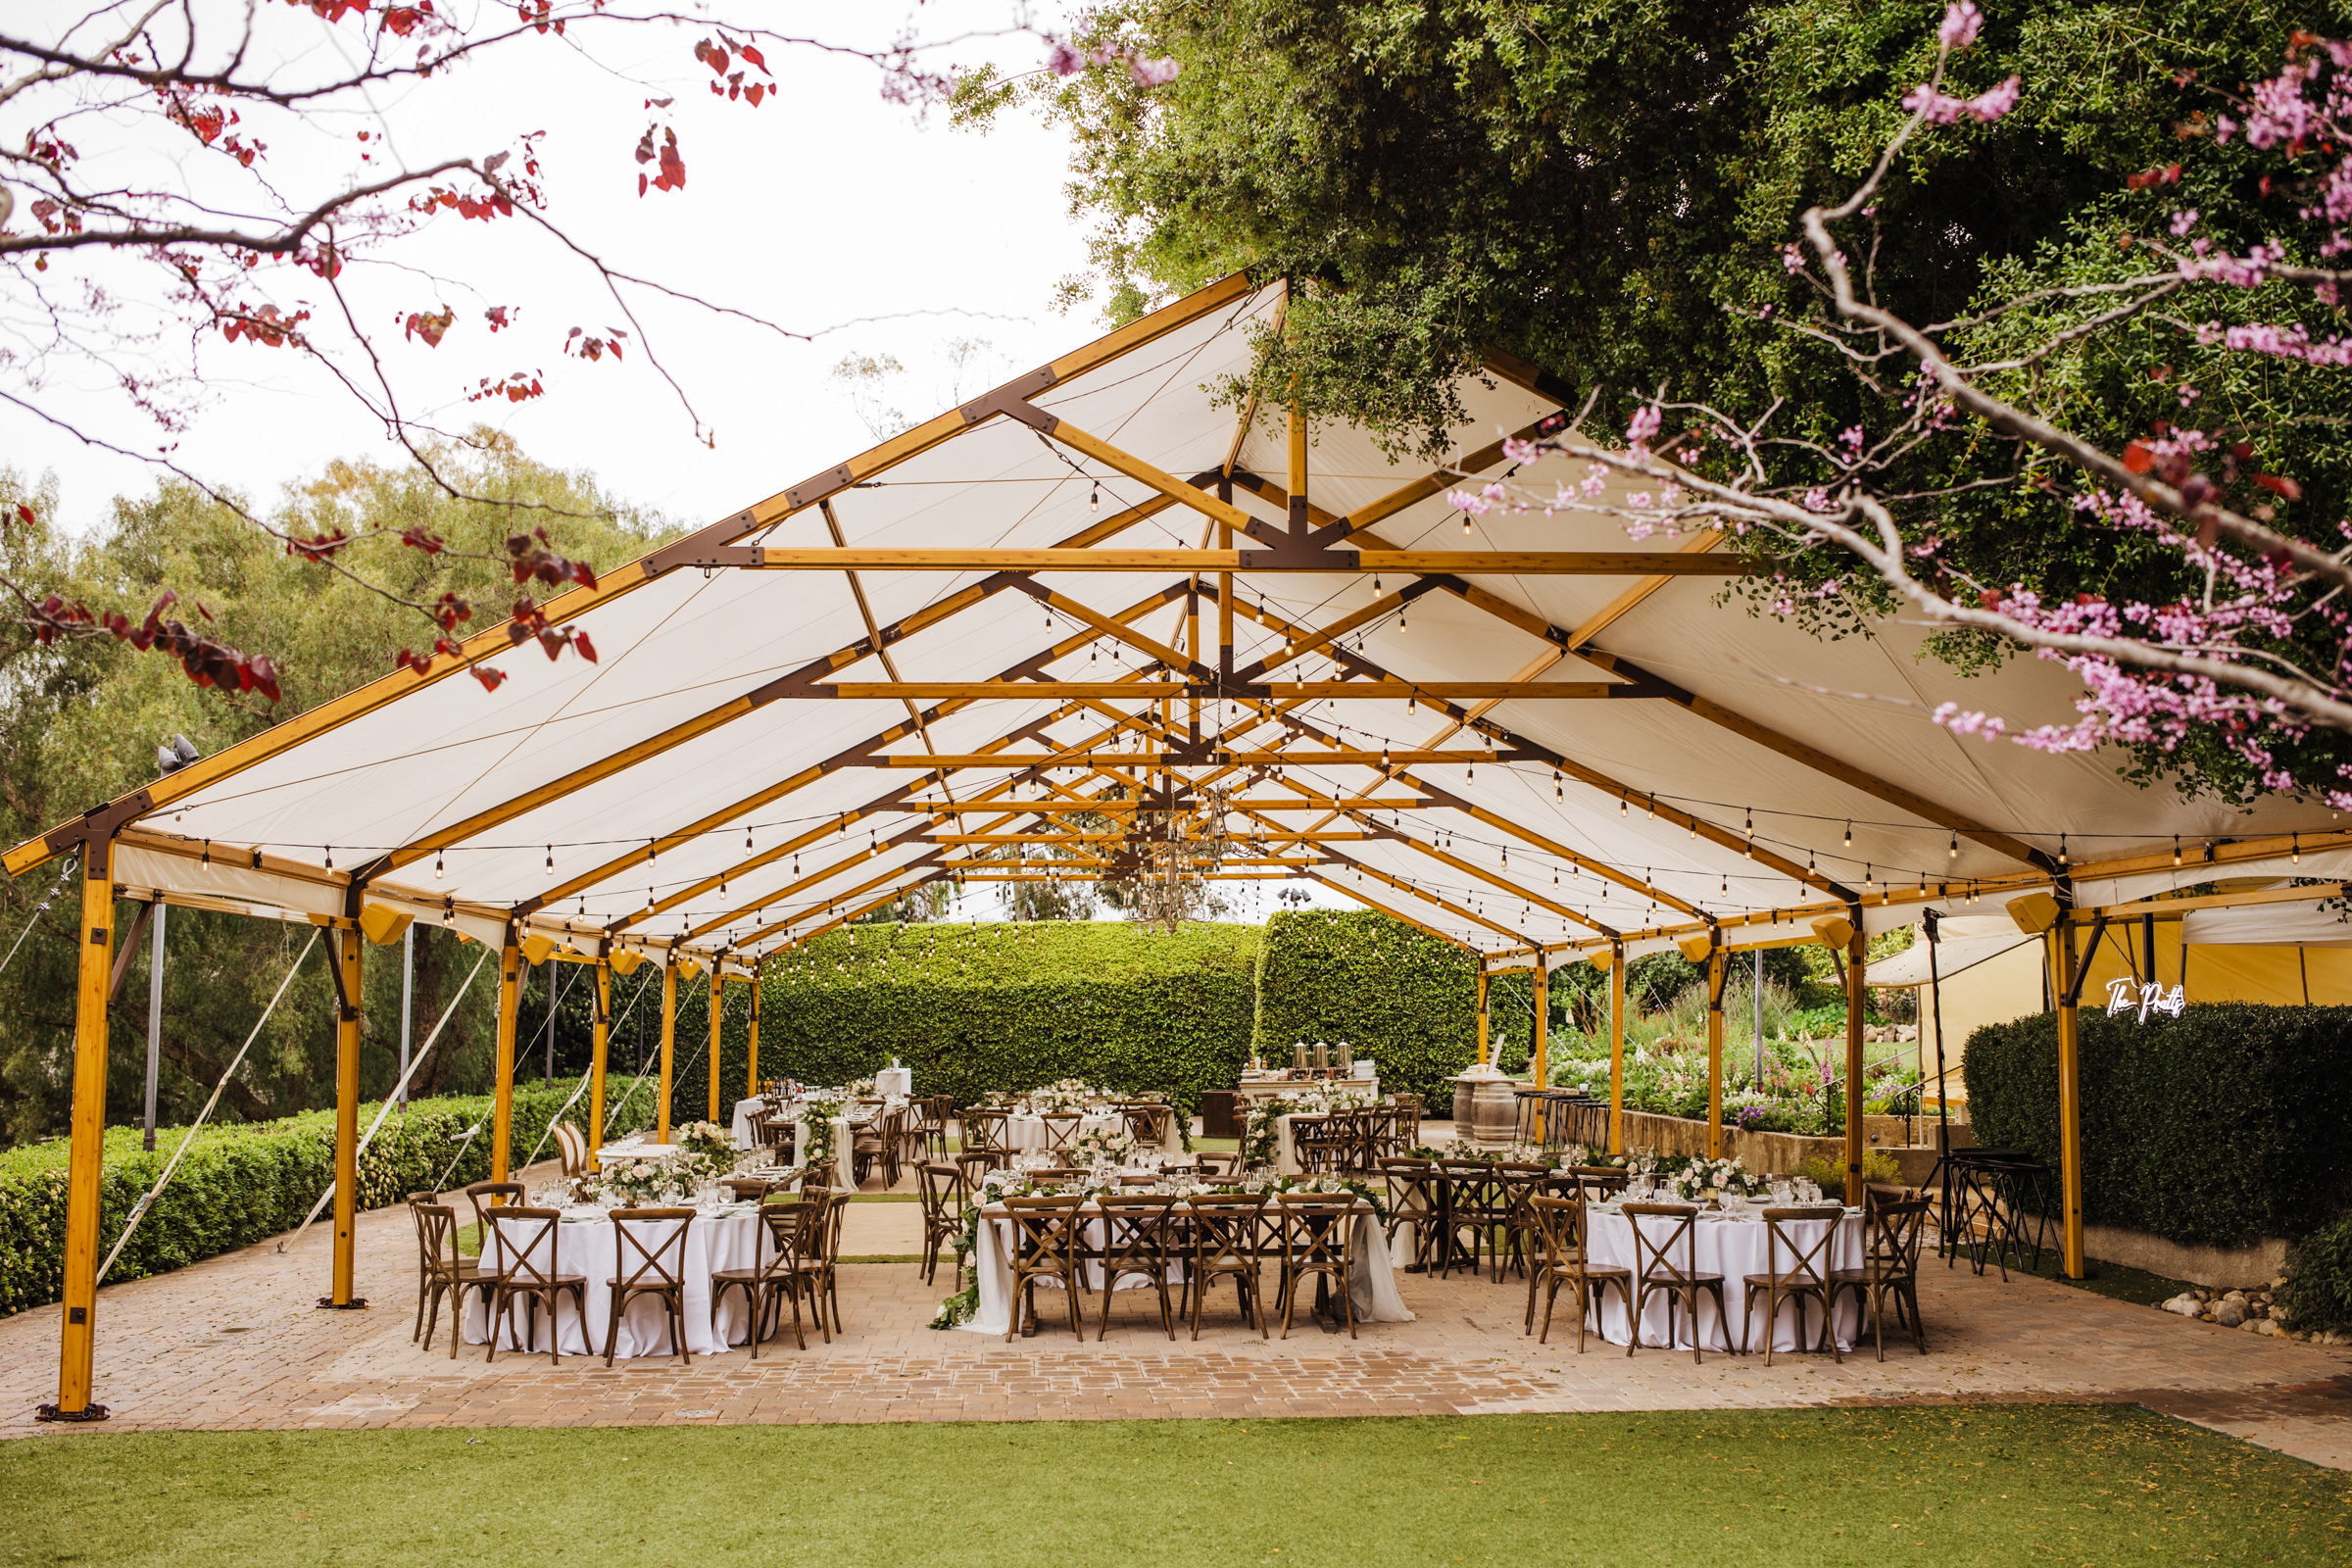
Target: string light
436 860
2175 849
2294 856
1953 854
331 856
2062 860
1621 807
551 860
1094 499
1558 792
1850 834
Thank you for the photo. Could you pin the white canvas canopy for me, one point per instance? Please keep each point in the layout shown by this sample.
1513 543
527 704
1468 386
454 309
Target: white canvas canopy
725 779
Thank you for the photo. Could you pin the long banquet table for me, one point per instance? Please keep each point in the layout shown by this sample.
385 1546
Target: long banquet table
1371 1286
1733 1247
586 1245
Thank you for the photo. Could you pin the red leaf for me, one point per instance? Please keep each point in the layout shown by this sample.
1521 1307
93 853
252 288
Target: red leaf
490 679
587 649
25 513
2137 459
429 327
2280 485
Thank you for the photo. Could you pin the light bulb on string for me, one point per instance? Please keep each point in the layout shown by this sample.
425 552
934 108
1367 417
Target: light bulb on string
331 856
1850 834
437 864
2175 849
1093 498
1953 852
551 860
2061 858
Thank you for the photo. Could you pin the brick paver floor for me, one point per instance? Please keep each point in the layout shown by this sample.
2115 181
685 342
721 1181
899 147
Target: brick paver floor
235 1343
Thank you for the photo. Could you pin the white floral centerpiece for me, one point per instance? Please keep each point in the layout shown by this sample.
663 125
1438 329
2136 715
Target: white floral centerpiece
707 1139
1101 1145
1067 1095
632 1181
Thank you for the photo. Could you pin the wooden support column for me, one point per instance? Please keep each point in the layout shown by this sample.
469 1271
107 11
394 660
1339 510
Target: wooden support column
347 1117
1617 1048
600 1048
1482 1015
719 996
2064 984
670 1046
1857 948
509 1003
1718 972
751 1055
85 1156
1540 1069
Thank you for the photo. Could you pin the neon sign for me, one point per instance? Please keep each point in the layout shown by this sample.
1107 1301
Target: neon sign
2124 994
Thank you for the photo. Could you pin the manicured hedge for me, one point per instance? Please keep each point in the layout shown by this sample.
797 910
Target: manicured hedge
239 1184
980 1007
1391 991
2211 1129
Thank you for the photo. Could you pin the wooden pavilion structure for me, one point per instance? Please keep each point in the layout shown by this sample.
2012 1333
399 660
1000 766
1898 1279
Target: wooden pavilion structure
1258 649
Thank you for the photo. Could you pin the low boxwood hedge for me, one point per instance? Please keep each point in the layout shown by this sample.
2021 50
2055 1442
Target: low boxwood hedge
240 1183
2212 1129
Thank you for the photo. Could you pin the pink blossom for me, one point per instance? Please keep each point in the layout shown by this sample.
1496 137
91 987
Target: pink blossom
2183 223
1942 109
1792 258
1644 424
1064 61
1961 24
1469 501
1639 499
1153 72
1596 478
1986 726
1521 451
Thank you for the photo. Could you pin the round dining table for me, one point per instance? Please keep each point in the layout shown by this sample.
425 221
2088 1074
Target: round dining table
586 1244
1733 1245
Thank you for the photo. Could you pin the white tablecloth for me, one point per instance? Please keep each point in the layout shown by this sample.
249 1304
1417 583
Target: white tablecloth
1029 1132
844 1168
726 1241
1732 1248
1371 1287
743 1120
895 1082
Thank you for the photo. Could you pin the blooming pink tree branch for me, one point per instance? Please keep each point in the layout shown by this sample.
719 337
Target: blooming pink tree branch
2255 647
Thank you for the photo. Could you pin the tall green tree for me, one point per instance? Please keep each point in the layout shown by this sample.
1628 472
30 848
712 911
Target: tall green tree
80 721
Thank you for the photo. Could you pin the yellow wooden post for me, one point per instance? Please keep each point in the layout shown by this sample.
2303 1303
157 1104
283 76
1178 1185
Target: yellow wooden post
1543 1061
2063 960
718 1006
1716 975
347 1117
85 1157
1617 1048
509 1003
669 1043
750 1054
1857 948
1482 1015
600 1045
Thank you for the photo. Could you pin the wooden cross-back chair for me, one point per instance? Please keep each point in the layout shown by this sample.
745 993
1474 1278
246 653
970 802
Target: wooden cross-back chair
794 1270
1807 1276
1656 1273
514 1241
656 1268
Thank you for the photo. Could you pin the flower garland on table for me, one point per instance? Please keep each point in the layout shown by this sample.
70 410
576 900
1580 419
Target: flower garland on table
1333 1185
817 1133
1261 1135
1065 1095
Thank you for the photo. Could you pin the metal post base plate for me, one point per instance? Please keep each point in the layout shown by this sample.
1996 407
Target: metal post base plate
88 1413
357 1303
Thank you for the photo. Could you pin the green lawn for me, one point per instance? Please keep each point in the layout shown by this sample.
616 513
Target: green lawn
1991 1483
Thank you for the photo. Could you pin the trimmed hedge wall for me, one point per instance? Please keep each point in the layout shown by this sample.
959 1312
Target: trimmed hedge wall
240 1184
1391 991
2211 1129
974 1009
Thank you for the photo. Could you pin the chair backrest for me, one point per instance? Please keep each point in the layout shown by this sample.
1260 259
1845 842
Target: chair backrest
1877 1193
640 1257
796 1230
436 1235
1318 1229
1560 1222
1061 1127
983 1126
1045 1233
1895 1233
1809 1261
486 1195
1655 1245
1227 1230
1215 1163
1135 1226
1149 1123
1055 1173
520 1244
1407 1181
940 1188
974 1164
1473 1180
1517 1181
1599 1182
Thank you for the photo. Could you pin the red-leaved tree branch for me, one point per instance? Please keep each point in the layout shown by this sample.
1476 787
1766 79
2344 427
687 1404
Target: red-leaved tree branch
274 169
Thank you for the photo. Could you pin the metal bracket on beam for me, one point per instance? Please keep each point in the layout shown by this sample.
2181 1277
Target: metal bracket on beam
690 552
102 821
2073 990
